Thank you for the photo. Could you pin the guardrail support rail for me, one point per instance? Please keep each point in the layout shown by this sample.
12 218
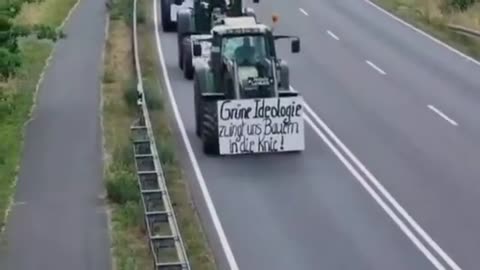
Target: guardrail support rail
464 30
165 241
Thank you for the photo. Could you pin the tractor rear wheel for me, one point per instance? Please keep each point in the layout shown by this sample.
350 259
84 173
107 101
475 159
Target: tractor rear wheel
187 58
183 26
167 24
197 106
180 53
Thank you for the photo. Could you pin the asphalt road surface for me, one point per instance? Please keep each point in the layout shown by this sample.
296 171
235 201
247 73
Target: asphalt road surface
404 104
389 178
58 221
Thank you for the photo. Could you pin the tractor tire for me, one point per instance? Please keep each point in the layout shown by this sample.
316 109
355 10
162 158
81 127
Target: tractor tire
211 147
197 106
183 26
180 53
167 24
284 75
209 129
187 59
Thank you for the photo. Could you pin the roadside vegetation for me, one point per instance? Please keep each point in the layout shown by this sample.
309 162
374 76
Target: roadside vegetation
28 30
434 16
130 243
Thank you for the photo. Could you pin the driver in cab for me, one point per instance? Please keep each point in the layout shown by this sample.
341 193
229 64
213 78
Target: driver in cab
245 54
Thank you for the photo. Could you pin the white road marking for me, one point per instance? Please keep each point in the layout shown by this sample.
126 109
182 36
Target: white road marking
332 35
444 116
437 41
19 203
201 181
303 11
375 195
374 181
379 70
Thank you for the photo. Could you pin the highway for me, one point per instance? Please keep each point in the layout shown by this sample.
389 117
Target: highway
389 179
58 220
413 122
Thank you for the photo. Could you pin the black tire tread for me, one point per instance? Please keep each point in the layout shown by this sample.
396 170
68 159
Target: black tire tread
187 59
209 128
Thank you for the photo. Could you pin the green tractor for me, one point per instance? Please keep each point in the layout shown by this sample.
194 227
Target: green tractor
196 22
242 67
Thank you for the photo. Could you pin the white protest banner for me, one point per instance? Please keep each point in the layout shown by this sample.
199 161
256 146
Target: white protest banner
260 125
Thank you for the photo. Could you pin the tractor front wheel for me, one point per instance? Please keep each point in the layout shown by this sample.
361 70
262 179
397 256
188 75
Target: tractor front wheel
209 129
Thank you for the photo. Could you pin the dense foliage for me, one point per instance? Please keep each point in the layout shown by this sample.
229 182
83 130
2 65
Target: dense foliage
10 59
461 5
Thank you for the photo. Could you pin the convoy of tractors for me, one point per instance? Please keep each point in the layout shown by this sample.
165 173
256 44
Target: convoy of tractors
242 96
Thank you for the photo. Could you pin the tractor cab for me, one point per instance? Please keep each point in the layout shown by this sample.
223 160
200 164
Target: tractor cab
243 59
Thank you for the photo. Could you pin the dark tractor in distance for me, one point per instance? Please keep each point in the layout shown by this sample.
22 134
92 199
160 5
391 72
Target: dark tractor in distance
196 21
168 13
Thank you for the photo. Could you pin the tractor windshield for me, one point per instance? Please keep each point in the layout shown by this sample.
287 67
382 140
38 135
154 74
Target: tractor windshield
245 50
253 68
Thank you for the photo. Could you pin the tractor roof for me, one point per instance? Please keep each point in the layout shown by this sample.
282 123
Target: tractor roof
239 25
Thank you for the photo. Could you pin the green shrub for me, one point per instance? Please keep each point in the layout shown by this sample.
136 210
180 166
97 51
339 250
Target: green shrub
154 100
7 105
461 5
10 59
122 187
45 32
167 152
123 157
5 23
10 8
130 94
9 63
122 9
131 214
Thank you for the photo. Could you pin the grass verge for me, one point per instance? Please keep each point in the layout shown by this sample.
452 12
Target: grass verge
48 12
130 244
429 16
17 95
198 250
130 248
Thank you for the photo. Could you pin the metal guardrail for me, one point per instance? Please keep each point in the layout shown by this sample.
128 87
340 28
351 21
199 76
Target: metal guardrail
165 240
464 30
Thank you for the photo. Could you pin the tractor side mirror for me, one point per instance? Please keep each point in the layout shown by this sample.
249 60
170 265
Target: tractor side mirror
296 46
178 2
197 50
